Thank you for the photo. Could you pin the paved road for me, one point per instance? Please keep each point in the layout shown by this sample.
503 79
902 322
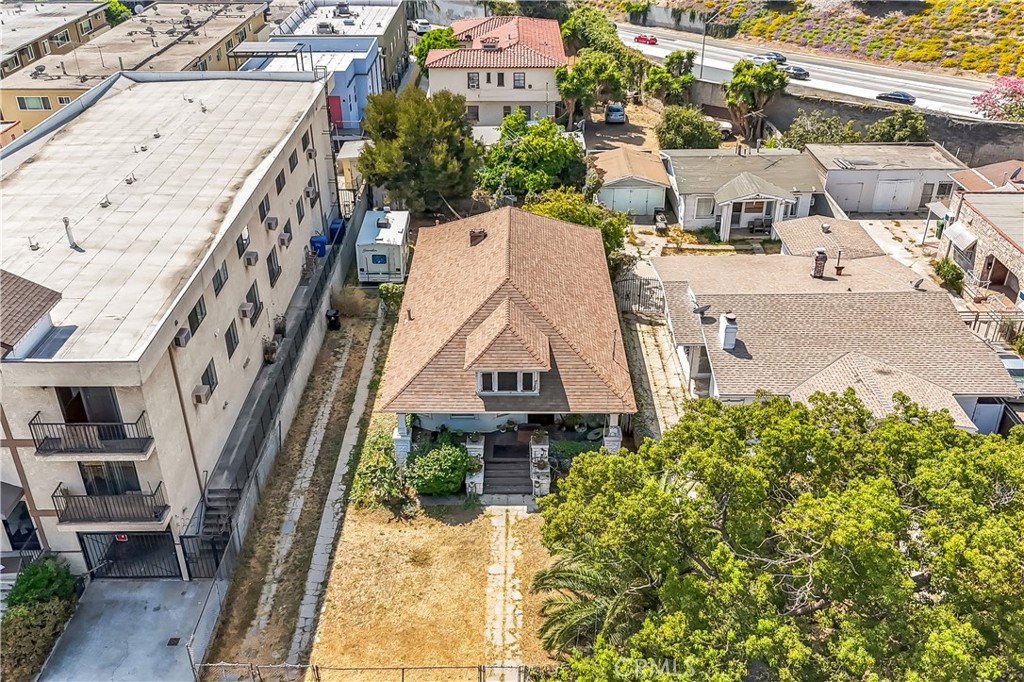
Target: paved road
937 92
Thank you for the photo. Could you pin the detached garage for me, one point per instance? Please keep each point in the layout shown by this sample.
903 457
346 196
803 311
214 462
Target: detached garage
885 178
633 181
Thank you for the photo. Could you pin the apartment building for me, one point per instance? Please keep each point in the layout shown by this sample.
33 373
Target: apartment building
502 63
174 36
34 30
145 276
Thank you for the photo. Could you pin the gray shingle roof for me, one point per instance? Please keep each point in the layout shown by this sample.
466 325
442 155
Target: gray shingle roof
22 304
705 171
749 185
801 236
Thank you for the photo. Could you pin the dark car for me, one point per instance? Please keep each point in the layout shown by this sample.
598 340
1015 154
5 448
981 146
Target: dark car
646 38
797 72
777 57
897 96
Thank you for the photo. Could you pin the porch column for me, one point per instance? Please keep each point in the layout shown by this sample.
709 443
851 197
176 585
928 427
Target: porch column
723 229
402 436
613 434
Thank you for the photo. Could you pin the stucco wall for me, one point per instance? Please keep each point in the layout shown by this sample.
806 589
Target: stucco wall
540 93
855 190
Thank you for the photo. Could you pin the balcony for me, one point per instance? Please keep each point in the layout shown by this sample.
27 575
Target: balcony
91 438
127 508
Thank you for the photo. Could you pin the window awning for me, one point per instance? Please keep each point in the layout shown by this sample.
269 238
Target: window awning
959 235
10 496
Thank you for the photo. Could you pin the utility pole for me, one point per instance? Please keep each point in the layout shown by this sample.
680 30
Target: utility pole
704 37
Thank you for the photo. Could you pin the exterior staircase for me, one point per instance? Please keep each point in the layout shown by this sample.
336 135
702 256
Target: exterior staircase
220 506
507 471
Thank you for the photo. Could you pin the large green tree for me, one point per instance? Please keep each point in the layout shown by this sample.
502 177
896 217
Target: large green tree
531 156
799 543
687 128
816 128
421 148
588 26
434 39
747 94
117 13
671 82
593 77
573 206
905 125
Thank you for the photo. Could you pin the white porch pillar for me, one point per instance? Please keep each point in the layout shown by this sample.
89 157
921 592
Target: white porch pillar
613 434
402 436
723 229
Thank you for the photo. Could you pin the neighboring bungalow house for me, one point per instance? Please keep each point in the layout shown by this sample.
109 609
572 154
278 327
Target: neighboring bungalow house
791 326
875 177
502 63
495 328
985 237
1005 176
720 188
634 181
842 239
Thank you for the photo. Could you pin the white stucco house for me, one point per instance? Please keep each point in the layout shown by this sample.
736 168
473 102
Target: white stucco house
502 63
885 178
635 181
725 190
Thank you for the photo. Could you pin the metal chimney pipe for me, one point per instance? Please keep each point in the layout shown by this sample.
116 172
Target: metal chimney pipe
71 237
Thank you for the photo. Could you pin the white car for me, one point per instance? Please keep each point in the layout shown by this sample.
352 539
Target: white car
419 26
761 59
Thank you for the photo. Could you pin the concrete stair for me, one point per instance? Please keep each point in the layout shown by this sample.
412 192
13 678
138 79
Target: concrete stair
220 506
507 474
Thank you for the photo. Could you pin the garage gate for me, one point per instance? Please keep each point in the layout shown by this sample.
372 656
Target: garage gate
639 201
130 555
893 196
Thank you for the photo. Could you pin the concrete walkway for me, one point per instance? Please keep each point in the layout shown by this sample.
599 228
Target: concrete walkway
504 594
667 389
334 508
296 501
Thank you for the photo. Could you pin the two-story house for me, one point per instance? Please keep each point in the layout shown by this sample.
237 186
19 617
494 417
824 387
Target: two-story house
502 63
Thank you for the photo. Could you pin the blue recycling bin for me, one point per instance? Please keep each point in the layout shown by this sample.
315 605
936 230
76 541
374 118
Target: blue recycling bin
337 230
318 243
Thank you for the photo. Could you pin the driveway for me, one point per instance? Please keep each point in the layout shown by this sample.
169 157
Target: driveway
123 631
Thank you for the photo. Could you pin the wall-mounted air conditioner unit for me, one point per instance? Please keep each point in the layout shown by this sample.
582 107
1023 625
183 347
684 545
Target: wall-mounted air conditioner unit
284 239
245 310
270 223
183 336
201 394
251 258
311 192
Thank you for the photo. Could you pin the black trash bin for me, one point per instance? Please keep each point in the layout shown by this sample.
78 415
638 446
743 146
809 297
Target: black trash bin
333 319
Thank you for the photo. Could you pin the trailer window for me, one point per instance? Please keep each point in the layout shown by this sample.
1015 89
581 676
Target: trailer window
379 259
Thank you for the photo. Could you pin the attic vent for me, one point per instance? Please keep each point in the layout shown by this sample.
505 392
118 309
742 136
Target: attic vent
490 44
477 236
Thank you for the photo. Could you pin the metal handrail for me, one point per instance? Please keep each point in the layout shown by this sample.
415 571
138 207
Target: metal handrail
53 437
73 507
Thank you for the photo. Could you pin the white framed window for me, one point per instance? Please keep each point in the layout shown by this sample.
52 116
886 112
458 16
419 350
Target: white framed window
45 44
29 53
85 26
11 63
63 100
944 191
705 207
473 80
61 39
519 80
34 103
508 382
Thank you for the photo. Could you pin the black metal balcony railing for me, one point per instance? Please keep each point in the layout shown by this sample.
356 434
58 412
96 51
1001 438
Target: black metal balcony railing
109 508
56 437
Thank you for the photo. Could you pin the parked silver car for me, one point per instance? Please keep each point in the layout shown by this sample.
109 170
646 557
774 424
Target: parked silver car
615 113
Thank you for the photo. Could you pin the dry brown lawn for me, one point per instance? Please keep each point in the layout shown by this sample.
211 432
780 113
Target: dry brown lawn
534 557
638 131
406 592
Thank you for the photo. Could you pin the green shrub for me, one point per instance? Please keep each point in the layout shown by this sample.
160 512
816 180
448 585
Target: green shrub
1018 345
27 634
391 296
42 581
378 481
439 470
567 449
708 235
950 274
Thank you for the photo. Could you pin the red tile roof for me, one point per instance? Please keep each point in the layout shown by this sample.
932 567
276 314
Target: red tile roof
22 304
522 43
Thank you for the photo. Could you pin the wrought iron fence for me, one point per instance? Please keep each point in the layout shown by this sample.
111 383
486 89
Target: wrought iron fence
54 437
132 506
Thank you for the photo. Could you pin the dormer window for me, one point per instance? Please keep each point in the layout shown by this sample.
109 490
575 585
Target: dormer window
527 383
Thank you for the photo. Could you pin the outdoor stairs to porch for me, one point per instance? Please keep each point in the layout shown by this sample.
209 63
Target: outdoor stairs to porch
507 471
220 505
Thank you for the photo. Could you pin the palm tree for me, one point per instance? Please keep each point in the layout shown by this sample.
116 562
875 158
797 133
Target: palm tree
596 595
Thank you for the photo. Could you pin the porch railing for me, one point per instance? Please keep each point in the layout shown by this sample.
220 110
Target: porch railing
87 437
133 506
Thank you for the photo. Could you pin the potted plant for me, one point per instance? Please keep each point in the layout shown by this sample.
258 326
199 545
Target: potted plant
280 325
539 436
474 465
473 437
270 348
575 421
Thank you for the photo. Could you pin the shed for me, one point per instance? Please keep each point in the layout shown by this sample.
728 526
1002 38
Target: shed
634 181
382 246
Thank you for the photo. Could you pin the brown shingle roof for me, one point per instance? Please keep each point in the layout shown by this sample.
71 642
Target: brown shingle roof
22 304
992 176
507 339
626 162
875 384
522 43
802 236
554 272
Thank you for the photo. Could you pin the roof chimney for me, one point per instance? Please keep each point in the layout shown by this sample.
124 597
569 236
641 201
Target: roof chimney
477 236
820 258
727 331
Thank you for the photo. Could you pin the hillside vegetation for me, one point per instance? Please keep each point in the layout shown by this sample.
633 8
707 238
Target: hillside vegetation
986 36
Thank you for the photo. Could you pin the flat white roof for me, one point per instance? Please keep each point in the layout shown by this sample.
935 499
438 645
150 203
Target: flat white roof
304 61
398 225
25 22
139 253
366 20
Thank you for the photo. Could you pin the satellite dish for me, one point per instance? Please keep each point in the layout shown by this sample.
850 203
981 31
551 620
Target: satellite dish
138 9
171 31
1015 174
40 68
185 11
700 310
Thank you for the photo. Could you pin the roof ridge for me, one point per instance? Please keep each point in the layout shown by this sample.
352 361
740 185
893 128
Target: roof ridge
518 336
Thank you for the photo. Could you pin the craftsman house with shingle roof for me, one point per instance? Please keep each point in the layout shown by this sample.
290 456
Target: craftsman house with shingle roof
793 326
507 317
502 63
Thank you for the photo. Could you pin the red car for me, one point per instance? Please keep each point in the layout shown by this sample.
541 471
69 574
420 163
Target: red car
646 38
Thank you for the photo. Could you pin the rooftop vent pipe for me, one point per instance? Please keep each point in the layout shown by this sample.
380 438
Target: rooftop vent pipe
727 331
